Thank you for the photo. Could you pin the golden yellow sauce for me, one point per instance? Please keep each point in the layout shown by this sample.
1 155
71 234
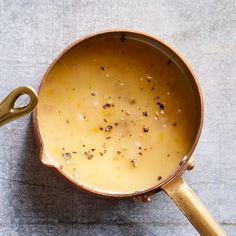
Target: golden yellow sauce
115 115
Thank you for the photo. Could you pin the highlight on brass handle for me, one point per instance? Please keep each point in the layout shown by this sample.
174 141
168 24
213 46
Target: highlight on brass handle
9 112
192 207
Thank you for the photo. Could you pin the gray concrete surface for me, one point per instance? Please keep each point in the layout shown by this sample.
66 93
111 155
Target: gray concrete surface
33 200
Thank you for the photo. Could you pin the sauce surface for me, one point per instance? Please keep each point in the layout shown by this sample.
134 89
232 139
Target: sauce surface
116 115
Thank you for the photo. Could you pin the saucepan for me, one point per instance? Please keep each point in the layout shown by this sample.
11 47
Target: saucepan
174 185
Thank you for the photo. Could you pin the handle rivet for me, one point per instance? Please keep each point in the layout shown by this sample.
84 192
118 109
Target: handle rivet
191 164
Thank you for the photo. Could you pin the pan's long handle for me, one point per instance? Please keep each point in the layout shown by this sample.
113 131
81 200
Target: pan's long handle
9 112
192 207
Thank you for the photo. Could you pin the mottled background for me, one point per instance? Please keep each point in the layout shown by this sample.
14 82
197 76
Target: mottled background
33 200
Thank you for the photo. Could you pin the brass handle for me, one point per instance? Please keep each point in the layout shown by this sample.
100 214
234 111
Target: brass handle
7 110
192 207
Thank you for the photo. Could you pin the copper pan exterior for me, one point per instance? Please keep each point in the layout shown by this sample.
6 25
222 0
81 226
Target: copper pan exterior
183 65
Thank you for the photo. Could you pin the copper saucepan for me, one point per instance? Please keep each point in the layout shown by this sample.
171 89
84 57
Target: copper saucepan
174 186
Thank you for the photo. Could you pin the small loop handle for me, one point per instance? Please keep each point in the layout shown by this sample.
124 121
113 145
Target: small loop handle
7 110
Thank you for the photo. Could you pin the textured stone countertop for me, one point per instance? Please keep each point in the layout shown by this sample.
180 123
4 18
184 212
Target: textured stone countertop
33 199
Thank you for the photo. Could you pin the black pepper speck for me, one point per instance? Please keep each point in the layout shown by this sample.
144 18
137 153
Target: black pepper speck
145 113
